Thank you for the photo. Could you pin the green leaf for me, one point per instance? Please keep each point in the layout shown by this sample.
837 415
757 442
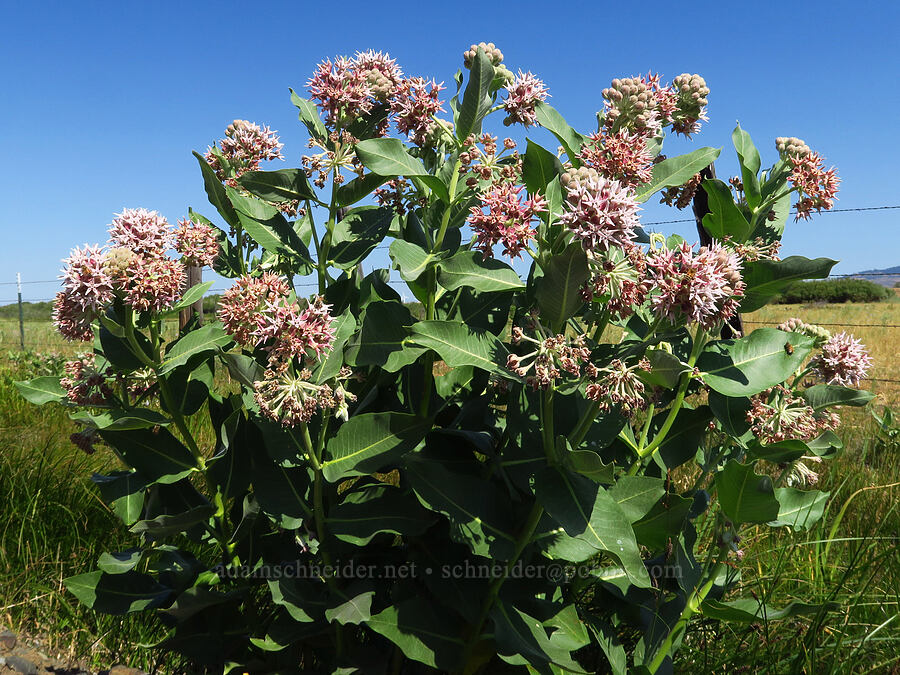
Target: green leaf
358 234
745 496
375 510
369 442
799 509
191 295
41 390
522 640
358 188
731 413
123 492
284 185
309 115
172 523
559 290
823 396
782 451
683 441
553 122
479 515
751 610
666 368
636 495
156 454
216 192
750 165
343 326
664 522
354 611
589 513
267 226
120 420
472 269
539 167
753 363
725 218
476 99
303 599
117 593
459 345
767 278
381 337
201 342
281 491
388 157
119 563
589 464
411 260
421 633
675 171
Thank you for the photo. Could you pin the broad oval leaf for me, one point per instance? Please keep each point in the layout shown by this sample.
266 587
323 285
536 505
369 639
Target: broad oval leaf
117 593
553 122
675 171
476 99
767 278
725 218
215 191
539 167
203 341
459 345
823 396
745 496
358 234
374 510
472 269
41 390
559 290
156 454
284 185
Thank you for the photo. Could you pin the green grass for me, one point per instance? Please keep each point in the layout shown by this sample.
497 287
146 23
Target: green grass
54 526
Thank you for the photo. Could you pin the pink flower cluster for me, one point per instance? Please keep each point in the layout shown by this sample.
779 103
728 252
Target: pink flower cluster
347 89
197 242
507 220
292 399
777 415
843 360
619 155
84 384
136 269
619 385
818 187
414 106
523 95
703 287
245 145
600 213
259 312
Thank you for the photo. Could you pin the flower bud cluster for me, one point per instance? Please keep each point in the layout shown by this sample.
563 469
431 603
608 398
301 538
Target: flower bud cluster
843 360
245 145
508 220
523 94
777 414
691 101
702 287
490 50
795 325
681 196
600 213
789 146
644 106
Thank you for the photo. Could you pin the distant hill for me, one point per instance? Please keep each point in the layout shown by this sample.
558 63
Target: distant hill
890 276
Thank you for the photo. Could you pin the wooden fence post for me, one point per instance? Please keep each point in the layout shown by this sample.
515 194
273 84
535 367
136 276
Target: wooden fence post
21 316
194 277
700 204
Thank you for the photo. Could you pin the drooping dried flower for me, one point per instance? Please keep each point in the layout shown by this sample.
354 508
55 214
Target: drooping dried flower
553 356
619 385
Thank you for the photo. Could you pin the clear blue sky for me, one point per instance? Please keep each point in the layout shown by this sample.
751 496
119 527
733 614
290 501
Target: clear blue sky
103 101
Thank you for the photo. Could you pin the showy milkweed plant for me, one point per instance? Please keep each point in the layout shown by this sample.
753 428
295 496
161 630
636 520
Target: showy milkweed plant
541 473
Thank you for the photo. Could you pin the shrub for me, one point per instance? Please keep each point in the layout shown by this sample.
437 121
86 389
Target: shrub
833 291
485 487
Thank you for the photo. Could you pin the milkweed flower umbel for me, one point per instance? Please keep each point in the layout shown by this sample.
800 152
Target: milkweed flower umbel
85 278
702 287
154 283
777 415
843 360
414 106
817 186
507 220
618 384
523 94
245 146
619 155
143 232
197 242
600 213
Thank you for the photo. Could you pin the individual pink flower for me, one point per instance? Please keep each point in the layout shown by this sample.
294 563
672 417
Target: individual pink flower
340 90
415 105
600 213
523 95
507 220
141 231
620 155
154 284
703 287
72 319
818 188
239 309
777 415
85 279
843 360
197 242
